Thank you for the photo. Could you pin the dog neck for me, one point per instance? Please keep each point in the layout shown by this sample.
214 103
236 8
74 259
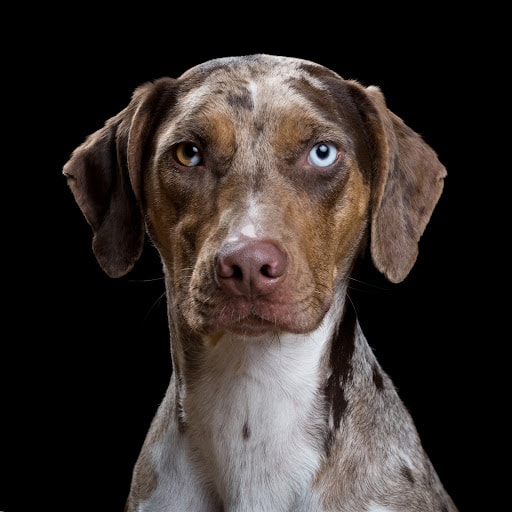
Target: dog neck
248 400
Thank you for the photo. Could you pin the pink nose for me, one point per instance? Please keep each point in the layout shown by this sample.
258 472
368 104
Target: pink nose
251 268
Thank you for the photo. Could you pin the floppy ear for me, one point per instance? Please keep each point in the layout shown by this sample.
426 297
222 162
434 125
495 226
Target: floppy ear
104 174
408 182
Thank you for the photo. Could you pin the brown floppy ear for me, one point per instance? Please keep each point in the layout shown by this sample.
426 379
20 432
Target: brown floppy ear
104 174
406 188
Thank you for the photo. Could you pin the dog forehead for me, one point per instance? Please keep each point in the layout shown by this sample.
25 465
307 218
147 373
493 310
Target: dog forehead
252 83
258 65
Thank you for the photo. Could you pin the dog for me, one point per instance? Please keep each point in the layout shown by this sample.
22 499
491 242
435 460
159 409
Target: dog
261 181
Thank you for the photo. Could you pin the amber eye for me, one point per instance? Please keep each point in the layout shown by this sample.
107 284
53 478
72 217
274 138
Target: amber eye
187 154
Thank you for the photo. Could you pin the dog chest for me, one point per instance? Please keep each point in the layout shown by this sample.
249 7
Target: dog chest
254 417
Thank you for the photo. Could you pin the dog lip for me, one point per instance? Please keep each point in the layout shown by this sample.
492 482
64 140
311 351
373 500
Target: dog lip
260 317
249 324
252 325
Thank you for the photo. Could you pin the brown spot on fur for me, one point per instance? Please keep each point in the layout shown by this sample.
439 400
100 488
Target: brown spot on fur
377 378
341 370
240 100
406 472
246 431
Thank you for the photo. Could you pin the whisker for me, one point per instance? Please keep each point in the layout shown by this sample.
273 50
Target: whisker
147 280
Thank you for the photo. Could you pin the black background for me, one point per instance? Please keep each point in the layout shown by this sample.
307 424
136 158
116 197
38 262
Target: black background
85 359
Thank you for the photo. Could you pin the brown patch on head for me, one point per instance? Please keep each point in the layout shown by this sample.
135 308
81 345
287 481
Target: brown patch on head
240 100
220 134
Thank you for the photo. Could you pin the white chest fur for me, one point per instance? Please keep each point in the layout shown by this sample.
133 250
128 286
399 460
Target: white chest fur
254 416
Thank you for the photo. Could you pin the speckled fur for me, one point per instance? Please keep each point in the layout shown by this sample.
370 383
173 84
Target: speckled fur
260 180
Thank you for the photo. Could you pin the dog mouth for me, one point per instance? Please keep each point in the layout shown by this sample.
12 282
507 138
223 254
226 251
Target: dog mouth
252 325
255 318
246 318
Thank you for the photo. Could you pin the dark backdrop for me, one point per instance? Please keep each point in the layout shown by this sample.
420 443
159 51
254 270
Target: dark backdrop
85 359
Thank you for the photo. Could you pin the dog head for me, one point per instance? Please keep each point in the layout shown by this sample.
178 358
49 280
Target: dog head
259 179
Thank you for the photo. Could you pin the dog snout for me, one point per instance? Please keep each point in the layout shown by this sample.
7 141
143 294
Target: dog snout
251 269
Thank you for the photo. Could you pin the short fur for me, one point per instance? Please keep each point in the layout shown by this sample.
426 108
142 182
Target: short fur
260 180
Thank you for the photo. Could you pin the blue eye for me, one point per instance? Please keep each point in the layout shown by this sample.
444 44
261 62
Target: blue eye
323 154
187 154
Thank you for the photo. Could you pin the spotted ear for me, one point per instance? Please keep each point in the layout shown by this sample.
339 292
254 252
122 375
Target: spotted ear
104 174
408 182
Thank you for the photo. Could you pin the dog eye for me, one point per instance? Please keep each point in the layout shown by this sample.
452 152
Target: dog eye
187 154
323 154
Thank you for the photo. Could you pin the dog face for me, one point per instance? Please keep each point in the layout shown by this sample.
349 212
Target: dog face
259 180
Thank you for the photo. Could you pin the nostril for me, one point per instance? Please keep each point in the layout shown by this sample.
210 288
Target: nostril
237 272
266 270
226 268
274 269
